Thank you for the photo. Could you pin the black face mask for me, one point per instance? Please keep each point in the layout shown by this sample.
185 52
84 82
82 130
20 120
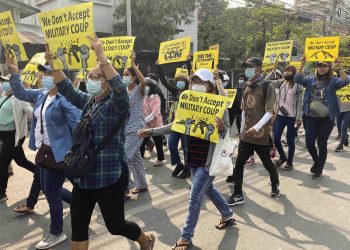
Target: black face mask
288 77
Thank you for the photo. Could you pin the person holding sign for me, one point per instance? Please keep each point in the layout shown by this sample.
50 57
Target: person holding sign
199 156
259 98
343 122
107 103
320 108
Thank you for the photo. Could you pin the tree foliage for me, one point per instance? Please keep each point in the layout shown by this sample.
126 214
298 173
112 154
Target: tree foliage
153 21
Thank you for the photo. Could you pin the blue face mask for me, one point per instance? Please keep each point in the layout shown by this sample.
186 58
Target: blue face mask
94 87
48 82
250 73
6 86
180 85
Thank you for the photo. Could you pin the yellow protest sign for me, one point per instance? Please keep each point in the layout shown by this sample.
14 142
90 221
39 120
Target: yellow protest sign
344 61
280 51
217 48
83 73
295 64
195 115
9 37
205 59
231 95
65 31
322 49
118 50
267 67
181 71
344 94
30 72
174 51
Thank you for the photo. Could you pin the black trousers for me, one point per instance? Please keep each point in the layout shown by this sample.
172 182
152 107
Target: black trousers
245 150
158 141
111 202
8 153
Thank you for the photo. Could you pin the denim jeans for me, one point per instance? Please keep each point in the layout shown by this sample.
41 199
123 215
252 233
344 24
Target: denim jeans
174 138
319 128
280 123
344 124
51 184
202 184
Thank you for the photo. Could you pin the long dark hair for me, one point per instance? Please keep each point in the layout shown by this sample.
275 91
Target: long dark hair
155 90
326 78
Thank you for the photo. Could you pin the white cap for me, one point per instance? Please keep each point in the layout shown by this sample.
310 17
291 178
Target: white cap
204 74
226 78
5 78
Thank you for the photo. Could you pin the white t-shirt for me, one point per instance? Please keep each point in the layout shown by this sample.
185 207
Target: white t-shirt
42 138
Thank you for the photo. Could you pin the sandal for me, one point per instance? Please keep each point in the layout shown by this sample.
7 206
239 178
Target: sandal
139 190
185 245
23 209
223 224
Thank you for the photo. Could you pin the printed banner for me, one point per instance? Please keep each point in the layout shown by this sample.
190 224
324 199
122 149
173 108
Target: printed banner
295 64
231 95
174 50
30 72
322 49
196 112
205 59
345 61
280 51
9 37
65 31
344 94
118 50
181 71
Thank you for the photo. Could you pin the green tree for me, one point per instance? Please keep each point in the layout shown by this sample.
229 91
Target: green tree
154 21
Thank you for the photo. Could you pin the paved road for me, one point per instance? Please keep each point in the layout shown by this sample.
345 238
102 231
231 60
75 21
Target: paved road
309 214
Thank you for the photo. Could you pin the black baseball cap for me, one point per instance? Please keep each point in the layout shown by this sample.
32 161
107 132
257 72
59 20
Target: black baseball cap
252 61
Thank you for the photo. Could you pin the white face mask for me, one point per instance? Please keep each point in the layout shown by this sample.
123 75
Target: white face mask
199 88
146 90
127 80
94 87
240 81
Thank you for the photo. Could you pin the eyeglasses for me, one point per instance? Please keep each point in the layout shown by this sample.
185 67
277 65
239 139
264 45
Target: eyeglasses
96 77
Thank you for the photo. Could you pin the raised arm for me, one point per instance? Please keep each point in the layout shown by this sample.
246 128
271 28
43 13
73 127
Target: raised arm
344 78
172 89
139 75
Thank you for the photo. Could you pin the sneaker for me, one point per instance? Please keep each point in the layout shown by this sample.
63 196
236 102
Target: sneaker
235 199
317 176
275 191
339 148
51 240
250 161
179 167
3 197
346 143
288 167
158 163
230 179
185 174
279 163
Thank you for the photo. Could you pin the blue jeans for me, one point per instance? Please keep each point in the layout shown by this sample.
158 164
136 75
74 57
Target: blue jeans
320 128
51 184
280 123
174 138
344 124
202 184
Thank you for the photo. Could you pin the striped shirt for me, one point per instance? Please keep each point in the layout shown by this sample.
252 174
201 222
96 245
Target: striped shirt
111 161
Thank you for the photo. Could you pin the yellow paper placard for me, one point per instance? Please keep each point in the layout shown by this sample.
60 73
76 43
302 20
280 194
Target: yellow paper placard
118 50
344 61
322 49
295 64
217 48
65 31
267 67
30 72
83 73
181 71
174 50
344 94
231 95
9 37
205 59
195 115
280 51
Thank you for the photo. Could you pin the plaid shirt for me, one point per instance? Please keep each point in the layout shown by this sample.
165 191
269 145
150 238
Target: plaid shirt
111 160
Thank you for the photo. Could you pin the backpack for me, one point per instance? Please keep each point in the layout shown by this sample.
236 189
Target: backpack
80 160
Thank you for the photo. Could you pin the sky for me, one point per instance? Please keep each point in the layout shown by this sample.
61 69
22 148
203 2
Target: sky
240 3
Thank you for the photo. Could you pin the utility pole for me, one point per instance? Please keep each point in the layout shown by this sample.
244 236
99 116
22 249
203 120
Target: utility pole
128 17
333 15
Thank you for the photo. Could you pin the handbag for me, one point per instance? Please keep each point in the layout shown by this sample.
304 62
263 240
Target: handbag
319 109
80 160
221 164
45 158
